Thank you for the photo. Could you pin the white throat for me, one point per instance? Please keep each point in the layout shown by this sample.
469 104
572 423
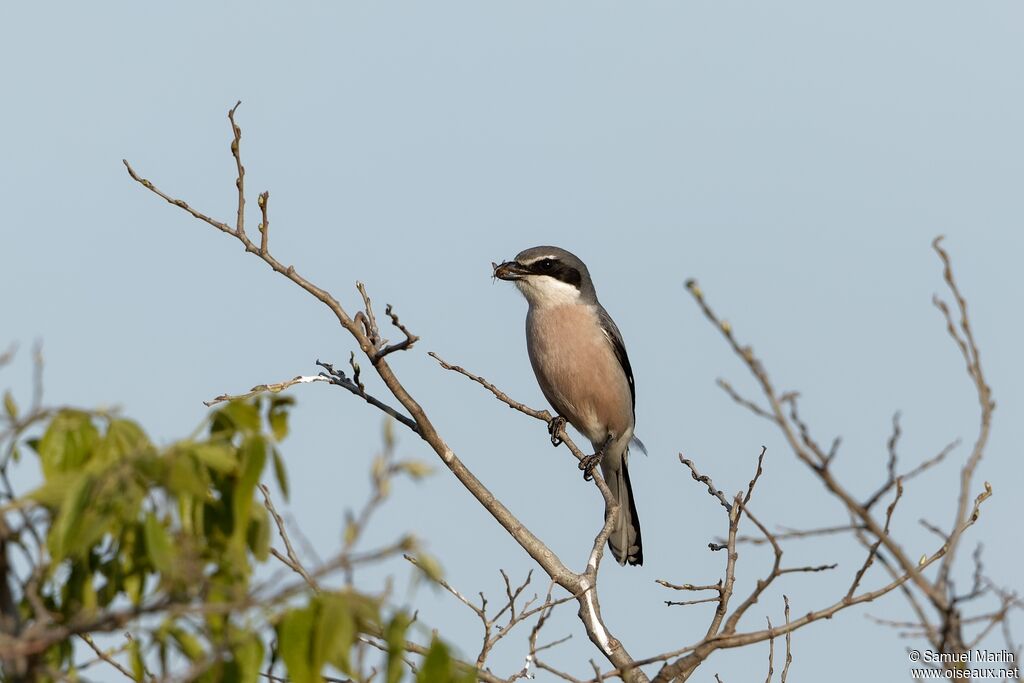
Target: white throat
544 291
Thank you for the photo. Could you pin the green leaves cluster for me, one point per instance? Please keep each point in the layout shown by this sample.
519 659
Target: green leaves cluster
170 538
135 526
131 512
324 632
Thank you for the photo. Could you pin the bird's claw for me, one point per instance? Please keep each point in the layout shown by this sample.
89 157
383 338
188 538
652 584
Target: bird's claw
588 464
555 428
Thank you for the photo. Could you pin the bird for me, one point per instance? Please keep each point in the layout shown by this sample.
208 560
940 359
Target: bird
581 365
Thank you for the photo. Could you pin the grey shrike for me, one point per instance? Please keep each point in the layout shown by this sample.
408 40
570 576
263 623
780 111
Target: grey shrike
581 365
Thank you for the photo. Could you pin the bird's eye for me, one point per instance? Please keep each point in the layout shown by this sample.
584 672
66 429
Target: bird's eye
546 264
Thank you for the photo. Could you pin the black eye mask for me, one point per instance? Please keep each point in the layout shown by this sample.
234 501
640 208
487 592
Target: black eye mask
558 270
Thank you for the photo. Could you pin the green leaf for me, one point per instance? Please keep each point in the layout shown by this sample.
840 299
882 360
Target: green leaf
89 599
417 469
366 610
437 664
280 473
394 636
248 657
236 416
219 457
430 567
278 416
138 666
158 545
68 443
55 490
123 438
63 535
254 456
279 425
335 632
294 636
185 476
188 644
10 406
223 589
91 530
186 512
78 594
258 536
379 467
133 584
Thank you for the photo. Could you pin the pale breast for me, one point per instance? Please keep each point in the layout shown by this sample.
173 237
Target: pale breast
578 372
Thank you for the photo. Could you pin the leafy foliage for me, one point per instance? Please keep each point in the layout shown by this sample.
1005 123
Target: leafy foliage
167 542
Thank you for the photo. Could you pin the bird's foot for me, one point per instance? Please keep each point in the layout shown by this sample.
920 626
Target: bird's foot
588 464
555 428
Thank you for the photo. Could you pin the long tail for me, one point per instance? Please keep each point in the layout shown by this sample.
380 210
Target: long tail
624 542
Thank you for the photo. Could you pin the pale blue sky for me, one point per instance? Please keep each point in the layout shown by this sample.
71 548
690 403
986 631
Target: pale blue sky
795 157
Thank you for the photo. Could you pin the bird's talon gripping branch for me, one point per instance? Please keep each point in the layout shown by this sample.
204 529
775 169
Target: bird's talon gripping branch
588 464
555 428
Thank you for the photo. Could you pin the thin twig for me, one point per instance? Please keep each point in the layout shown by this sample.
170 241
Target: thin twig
87 639
292 560
275 388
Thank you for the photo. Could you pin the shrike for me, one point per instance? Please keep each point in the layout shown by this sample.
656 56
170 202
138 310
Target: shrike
581 365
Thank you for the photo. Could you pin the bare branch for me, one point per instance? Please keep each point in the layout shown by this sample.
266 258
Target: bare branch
798 437
689 586
500 395
236 152
787 533
340 379
106 657
757 475
706 480
274 388
675 603
406 343
264 202
292 560
745 402
789 643
874 547
964 338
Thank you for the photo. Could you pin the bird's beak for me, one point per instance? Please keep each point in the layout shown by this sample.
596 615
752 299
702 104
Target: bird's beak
509 270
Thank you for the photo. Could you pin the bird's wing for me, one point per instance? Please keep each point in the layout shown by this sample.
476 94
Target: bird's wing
611 331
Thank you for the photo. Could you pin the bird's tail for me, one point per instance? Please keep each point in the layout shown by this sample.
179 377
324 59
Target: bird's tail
624 541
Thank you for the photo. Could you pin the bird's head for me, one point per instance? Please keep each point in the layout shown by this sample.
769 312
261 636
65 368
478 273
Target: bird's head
548 276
